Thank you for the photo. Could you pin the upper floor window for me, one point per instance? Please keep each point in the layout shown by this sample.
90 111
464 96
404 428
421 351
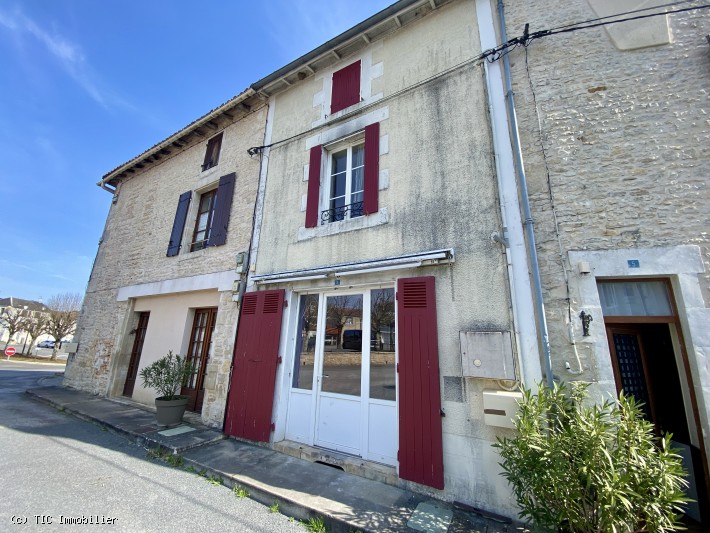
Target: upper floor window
346 87
203 222
211 218
212 153
347 184
349 187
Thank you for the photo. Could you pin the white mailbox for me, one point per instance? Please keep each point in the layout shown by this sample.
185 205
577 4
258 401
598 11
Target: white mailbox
500 407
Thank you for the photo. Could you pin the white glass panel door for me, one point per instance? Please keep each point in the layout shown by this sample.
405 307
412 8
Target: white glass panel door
340 380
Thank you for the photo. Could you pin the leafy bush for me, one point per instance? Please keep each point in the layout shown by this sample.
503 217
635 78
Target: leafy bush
591 469
167 375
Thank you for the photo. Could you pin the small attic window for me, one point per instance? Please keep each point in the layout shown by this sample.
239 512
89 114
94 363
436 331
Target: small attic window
212 152
346 87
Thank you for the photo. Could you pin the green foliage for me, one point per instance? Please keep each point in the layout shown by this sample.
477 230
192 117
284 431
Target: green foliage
215 480
154 453
174 460
591 469
315 524
241 492
190 469
167 375
274 507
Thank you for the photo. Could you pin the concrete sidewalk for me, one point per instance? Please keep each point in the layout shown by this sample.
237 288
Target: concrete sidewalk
301 488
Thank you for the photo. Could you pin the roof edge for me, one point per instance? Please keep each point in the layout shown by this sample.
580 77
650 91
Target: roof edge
343 37
241 97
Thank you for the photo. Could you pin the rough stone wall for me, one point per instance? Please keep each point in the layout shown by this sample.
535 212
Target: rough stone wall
133 251
626 136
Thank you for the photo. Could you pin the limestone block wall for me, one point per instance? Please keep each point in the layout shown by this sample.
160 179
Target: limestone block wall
133 249
626 140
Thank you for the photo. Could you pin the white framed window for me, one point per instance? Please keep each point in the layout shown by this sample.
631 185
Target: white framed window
345 181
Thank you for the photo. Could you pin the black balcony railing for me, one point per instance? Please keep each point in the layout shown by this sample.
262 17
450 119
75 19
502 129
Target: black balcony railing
340 213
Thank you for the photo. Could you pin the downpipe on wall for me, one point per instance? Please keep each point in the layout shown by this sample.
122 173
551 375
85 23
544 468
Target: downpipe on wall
526 301
529 223
530 372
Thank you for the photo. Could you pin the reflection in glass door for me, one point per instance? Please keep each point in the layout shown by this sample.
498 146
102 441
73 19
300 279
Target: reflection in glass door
343 380
340 380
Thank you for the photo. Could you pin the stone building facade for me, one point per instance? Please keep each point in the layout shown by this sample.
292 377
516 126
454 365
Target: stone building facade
146 264
382 228
616 140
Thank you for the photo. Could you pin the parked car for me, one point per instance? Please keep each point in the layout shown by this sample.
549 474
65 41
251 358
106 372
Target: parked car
352 340
46 344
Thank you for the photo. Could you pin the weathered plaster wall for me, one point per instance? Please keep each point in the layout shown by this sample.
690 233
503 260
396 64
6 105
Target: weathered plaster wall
133 252
437 190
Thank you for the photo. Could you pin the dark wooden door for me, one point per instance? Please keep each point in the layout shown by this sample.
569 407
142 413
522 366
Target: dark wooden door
631 369
136 353
198 353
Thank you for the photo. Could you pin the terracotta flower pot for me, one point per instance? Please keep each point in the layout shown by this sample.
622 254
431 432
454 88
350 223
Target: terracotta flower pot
169 412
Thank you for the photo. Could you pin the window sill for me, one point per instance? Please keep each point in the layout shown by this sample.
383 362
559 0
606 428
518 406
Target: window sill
188 255
343 226
209 171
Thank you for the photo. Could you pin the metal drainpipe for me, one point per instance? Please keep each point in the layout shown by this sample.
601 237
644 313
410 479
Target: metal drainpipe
529 224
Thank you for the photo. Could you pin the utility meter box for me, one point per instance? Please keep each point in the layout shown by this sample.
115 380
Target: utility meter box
487 354
500 407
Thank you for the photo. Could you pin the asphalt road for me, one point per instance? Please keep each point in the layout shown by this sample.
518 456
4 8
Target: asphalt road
53 465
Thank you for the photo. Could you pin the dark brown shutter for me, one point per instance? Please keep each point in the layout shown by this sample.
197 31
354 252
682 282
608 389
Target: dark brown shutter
212 152
421 455
222 209
313 187
346 87
179 223
372 168
256 354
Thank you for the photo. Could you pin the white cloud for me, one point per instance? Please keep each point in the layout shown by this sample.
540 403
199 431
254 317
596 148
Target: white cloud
69 55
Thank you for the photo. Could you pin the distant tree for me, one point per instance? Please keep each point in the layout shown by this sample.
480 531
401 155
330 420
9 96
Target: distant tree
62 312
14 321
340 308
36 324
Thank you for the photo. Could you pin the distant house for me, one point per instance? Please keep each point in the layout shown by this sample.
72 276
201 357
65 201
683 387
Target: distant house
21 338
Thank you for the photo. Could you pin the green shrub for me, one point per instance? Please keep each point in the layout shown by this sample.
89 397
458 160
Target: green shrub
591 469
167 375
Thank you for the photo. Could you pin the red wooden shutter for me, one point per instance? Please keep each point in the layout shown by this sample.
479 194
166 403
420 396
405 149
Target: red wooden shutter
313 187
372 168
346 87
251 393
179 224
421 456
222 209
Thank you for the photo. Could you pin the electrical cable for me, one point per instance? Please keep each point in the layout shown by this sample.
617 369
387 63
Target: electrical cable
671 4
494 54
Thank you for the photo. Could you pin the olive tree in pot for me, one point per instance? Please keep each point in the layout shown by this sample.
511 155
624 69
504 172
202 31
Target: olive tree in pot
168 375
577 467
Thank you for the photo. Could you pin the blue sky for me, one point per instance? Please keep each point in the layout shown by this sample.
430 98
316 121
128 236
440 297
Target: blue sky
85 85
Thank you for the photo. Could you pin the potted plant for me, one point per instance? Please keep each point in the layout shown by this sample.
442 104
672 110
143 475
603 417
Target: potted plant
168 375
